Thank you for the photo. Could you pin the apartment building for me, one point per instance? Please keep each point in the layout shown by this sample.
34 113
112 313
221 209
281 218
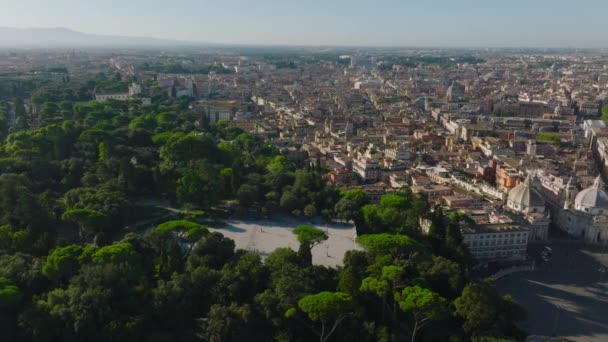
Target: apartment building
496 241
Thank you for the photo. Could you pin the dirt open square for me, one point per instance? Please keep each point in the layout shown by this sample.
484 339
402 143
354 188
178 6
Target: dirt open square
264 236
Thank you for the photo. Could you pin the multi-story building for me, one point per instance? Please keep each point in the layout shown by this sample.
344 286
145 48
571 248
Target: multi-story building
460 201
398 153
340 177
438 175
367 84
246 125
522 109
496 241
368 169
455 92
493 240
215 111
420 180
398 181
589 108
374 193
112 96
134 89
434 192
506 176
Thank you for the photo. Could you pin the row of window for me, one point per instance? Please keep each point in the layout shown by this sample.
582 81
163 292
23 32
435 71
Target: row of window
495 254
506 248
493 243
579 207
523 208
105 97
493 236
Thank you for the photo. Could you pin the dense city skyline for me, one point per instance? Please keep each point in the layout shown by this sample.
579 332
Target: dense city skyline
350 23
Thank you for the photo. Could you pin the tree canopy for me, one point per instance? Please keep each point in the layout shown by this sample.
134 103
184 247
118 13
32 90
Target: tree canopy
424 305
10 295
103 236
308 237
187 230
396 245
604 116
330 308
63 262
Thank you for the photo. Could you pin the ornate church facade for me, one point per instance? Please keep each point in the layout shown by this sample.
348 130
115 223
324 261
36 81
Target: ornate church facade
525 200
582 214
585 214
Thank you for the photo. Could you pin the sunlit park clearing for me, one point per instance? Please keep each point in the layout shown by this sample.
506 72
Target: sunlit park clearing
264 236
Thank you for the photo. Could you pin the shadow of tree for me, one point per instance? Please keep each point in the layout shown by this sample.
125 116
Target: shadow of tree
232 228
566 296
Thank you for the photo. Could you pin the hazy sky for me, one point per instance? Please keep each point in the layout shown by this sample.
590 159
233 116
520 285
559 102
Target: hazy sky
539 23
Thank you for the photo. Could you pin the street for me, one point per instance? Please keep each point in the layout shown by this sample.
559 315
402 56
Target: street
566 296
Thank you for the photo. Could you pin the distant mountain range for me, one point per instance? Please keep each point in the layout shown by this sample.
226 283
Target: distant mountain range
63 37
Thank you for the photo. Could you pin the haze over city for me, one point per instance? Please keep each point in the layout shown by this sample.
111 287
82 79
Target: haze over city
439 23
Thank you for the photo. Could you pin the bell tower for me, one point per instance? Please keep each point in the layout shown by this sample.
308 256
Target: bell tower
570 192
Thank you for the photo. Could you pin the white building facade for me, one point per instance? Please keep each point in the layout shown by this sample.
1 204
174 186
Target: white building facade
496 241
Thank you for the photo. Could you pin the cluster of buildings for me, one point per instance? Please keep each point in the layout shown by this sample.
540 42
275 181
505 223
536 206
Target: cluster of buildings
513 142
134 91
512 139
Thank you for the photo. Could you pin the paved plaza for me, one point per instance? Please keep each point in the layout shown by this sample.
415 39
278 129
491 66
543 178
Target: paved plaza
566 296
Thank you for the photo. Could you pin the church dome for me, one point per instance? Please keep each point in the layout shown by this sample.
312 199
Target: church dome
593 199
524 198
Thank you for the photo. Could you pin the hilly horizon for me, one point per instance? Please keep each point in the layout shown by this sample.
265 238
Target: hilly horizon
64 37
